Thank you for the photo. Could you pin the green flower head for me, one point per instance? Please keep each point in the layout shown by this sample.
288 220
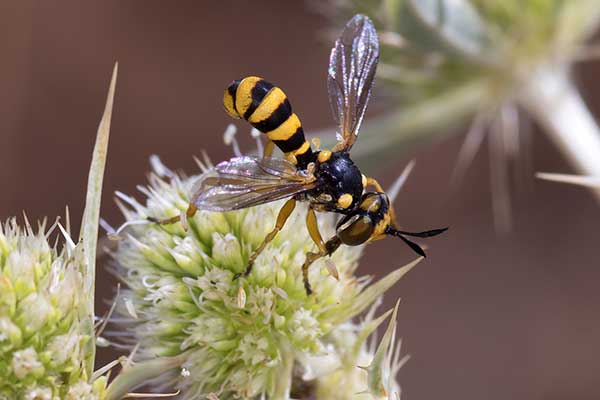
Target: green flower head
241 337
45 324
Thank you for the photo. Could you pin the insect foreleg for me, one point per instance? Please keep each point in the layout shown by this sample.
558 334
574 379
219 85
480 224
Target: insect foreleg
373 182
313 229
330 246
282 217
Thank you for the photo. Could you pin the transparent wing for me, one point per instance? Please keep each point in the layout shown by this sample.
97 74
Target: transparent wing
248 181
352 66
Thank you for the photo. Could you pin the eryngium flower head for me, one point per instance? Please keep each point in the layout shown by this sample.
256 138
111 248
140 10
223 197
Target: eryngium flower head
242 337
45 324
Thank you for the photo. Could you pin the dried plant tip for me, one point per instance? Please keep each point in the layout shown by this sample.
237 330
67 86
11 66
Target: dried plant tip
587 181
241 297
332 269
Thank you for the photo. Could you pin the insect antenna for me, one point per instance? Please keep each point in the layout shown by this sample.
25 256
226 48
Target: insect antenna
415 247
424 234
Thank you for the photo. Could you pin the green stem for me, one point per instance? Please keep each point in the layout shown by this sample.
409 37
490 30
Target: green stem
141 373
557 105
399 131
283 375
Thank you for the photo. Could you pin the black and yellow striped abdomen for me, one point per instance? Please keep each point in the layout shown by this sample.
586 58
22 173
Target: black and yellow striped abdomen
267 108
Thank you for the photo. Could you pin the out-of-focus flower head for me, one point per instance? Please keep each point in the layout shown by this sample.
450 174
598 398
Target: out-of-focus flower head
493 61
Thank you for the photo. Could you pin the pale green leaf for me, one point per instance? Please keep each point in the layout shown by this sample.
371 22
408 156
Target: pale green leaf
379 369
89 225
369 295
363 334
91 214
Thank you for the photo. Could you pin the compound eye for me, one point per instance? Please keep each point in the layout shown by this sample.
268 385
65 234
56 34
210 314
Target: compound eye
355 230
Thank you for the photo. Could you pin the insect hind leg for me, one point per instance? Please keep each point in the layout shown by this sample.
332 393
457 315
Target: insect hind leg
330 246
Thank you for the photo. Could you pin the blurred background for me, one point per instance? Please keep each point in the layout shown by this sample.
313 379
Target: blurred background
486 316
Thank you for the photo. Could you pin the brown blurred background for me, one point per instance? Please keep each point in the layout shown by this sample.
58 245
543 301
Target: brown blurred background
484 317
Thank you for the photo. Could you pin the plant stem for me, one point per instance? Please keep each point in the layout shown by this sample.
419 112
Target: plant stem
388 135
141 373
557 105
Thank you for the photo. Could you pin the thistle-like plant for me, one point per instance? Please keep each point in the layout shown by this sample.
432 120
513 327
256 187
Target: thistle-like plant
47 336
48 332
256 336
493 61
46 325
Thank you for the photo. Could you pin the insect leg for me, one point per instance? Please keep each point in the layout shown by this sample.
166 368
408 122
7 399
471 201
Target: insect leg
190 212
284 214
330 246
269 147
373 182
313 229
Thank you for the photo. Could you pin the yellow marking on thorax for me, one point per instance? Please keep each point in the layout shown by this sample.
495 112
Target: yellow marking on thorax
286 130
344 201
365 181
324 156
268 105
228 104
243 96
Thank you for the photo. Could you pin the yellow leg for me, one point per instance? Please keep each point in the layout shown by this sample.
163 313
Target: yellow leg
329 247
282 217
373 182
269 147
313 229
190 212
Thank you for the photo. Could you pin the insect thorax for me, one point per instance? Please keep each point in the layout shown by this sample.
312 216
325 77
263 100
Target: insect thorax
337 176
